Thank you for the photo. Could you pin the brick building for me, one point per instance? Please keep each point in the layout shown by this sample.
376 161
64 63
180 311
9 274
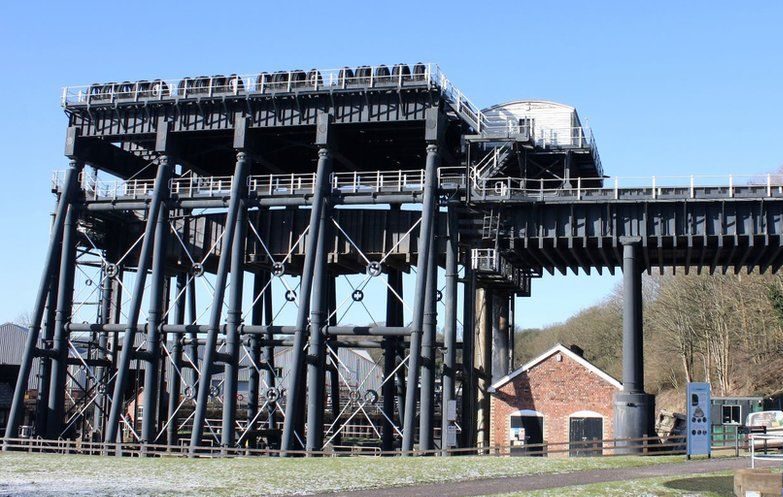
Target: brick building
558 397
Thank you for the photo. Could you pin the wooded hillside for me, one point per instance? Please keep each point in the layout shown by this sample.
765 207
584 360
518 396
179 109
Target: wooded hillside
723 329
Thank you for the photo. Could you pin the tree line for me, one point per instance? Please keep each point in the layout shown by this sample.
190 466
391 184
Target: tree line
723 329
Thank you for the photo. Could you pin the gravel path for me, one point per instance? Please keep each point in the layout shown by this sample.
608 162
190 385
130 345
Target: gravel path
539 482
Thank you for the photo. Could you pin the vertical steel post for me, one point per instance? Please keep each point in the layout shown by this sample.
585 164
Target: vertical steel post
469 386
294 404
334 373
45 365
317 352
238 192
101 372
154 318
633 407
123 366
428 213
260 280
483 352
427 390
175 366
191 318
268 359
57 385
53 252
234 319
450 329
500 337
394 317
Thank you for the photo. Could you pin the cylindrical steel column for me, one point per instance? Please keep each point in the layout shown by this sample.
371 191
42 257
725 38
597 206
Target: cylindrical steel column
633 357
469 376
159 192
234 319
238 193
428 214
175 365
45 364
449 331
57 385
317 352
53 253
394 317
483 358
294 402
500 336
633 407
260 281
101 372
154 319
427 391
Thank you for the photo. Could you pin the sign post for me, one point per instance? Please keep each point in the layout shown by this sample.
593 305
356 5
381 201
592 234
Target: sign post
698 436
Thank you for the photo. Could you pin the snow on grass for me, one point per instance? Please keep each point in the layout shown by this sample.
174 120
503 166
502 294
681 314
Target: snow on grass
698 485
49 475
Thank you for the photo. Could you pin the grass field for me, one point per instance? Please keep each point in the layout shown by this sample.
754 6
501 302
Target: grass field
702 485
49 475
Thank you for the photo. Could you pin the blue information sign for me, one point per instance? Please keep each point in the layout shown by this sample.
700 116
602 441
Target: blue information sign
699 427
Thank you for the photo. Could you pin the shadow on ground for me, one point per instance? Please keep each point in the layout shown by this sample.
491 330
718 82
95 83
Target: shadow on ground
720 485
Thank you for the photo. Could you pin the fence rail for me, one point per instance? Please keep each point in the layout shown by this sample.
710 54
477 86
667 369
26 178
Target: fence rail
645 446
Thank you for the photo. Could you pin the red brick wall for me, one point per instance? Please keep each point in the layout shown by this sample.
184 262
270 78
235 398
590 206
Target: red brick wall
556 390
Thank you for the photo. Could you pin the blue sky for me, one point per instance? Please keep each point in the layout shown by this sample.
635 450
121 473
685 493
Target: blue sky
670 88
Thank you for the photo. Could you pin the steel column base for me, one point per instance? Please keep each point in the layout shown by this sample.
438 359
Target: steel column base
633 418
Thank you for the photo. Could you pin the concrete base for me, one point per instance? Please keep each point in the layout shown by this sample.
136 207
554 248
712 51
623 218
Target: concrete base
633 418
758 482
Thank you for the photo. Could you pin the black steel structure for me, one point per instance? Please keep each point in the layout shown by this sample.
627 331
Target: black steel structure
204 205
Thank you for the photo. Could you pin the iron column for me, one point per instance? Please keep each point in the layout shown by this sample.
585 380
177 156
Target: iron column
632 405
70 182
450 329
123 365
238 192
427 391
154 318
429 210
234 319
294 404
57 385
175 366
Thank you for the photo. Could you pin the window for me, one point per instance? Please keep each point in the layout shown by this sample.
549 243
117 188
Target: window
731 414
526 125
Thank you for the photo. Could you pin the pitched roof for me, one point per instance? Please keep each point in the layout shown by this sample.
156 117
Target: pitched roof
565 351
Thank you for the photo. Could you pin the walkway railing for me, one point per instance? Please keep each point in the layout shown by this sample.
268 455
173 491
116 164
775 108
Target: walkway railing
451 179
630 188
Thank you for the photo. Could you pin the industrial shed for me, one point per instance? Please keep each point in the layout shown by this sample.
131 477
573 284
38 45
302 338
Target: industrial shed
550 123
557 398
12 341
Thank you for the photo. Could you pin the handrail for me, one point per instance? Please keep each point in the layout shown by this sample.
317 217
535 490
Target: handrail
449 177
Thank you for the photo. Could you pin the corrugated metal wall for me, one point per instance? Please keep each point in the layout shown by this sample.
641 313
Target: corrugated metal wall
12 341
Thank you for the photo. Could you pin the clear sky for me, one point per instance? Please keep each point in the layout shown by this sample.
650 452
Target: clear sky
670 88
